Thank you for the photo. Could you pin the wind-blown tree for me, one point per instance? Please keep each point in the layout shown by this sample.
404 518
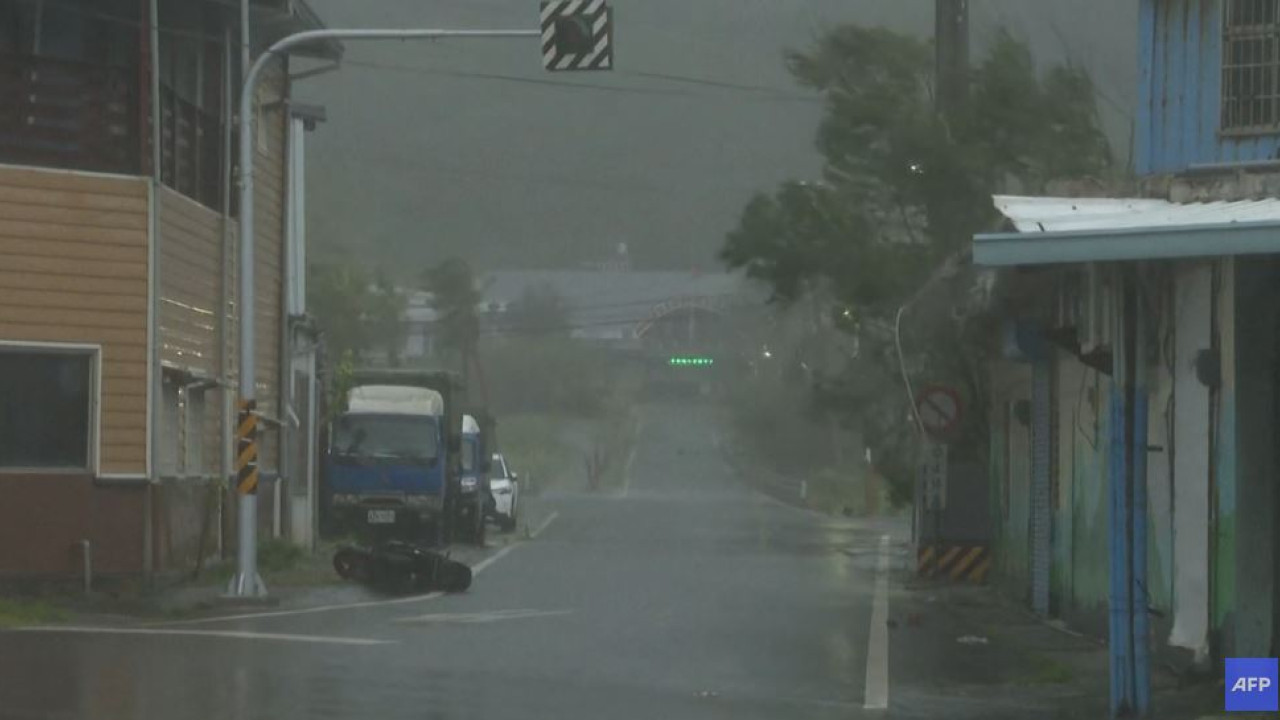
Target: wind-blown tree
902 192
335 296
455 297
385 317
356 310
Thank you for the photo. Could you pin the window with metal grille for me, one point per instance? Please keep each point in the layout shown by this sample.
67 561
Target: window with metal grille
1251 66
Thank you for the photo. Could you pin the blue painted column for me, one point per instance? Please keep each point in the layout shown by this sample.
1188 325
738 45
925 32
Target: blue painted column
1138 594
1127 524
1129 621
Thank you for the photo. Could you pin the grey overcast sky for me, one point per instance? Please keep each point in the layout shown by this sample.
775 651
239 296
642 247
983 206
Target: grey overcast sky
469 148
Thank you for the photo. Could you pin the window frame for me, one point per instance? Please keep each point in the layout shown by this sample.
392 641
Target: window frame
1230 36
94 434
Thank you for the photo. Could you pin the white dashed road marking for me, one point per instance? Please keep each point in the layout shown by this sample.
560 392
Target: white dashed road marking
225 634
877 684
481 617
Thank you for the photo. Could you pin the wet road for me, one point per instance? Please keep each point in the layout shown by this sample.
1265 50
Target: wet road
685 596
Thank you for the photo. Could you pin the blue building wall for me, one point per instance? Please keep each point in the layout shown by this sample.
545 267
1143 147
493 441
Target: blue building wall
1179 91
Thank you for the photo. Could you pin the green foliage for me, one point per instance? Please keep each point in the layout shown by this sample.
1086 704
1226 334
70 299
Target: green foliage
279 555
533 446
904 189
1035 129
454 296
17 612
384 313
357 311
343 379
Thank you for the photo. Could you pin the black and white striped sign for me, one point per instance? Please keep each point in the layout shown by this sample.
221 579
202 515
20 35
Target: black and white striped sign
577 35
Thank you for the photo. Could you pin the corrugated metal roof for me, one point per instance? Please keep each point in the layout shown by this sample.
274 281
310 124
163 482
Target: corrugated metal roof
1056 214
1053 230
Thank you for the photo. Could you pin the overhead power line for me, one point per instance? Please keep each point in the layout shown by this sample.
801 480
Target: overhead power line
533 329
762 92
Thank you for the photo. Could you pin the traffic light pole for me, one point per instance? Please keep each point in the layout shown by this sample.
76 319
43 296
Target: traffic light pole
247 583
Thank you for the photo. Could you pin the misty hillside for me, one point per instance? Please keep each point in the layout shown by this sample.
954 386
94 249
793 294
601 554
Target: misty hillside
471 148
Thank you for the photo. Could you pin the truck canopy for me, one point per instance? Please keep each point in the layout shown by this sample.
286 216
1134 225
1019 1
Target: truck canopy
395 400
446 384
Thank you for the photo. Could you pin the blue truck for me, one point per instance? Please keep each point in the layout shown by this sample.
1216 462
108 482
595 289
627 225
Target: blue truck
398 455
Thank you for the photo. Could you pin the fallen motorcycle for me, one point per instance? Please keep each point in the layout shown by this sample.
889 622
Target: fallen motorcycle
400 567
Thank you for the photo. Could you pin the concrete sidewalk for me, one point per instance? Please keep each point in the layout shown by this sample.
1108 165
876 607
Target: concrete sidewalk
980 654
309 582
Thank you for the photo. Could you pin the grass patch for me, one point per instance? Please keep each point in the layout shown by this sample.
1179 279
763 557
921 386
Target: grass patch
278 556
280 563
16 613
1040 670
534 446
842 491
619 437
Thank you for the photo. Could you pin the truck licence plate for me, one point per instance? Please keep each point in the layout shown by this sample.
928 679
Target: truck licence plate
382 517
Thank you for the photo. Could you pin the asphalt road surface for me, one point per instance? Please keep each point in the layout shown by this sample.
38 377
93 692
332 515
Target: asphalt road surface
686 595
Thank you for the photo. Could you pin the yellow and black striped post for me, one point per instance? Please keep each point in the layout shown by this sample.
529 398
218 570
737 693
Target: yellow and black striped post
247 448
957 563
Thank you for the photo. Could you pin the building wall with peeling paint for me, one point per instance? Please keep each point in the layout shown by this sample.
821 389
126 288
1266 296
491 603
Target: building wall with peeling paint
1194 576
1010 465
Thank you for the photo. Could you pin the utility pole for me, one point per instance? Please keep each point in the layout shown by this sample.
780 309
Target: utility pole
246 582
951 40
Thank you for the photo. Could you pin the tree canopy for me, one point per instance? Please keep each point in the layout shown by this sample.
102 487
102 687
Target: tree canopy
454 297
902 192
904 187
357 310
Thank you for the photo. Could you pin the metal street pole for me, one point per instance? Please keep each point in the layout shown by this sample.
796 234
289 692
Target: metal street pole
246 582
951 38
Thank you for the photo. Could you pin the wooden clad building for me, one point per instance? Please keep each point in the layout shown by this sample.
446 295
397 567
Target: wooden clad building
118 312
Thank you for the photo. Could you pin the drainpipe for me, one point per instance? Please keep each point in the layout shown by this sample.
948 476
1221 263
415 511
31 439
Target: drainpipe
224 257
153 280
1129 636
1120 616
1214 443
246 48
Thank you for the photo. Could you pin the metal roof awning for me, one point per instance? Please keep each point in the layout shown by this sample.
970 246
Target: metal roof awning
1049 230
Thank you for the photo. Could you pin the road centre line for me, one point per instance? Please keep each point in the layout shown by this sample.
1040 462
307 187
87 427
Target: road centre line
228 634
545 524
480 566
877 682
303 611
626 472
480 617
476 570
